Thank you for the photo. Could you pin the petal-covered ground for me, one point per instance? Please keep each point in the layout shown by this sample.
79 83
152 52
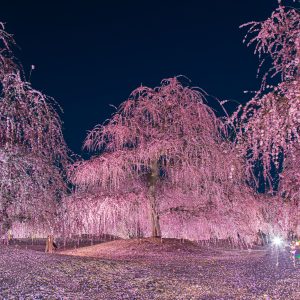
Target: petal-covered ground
142 270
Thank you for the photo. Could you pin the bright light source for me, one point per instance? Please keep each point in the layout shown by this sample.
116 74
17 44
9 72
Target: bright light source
277 241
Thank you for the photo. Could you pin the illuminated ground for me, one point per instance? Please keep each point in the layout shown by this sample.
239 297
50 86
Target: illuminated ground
154 271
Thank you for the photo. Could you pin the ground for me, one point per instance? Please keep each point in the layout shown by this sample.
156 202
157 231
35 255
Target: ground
148 269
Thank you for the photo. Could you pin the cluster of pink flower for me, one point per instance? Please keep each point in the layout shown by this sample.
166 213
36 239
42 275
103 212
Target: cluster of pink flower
167 147
268 126
32 147
165 162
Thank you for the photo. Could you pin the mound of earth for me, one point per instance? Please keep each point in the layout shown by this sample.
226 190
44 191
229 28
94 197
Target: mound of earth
146 247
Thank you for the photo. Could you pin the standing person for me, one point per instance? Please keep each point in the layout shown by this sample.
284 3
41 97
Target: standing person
3 239
293 251
297 252
9 236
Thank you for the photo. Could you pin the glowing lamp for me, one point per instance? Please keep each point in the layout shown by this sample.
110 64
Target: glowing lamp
277 241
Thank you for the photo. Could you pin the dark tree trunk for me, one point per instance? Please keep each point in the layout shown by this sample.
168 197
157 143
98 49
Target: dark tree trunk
5 222
154 216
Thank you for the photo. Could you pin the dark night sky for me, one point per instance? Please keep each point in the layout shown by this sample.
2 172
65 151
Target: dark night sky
89 54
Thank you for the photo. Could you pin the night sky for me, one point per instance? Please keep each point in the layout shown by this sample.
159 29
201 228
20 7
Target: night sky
89 54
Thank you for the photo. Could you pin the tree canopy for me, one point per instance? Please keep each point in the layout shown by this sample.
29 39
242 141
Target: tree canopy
268 125
33 152
166 146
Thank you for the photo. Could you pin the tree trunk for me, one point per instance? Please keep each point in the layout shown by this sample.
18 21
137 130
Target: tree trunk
49 244
65 242
5 224
154 216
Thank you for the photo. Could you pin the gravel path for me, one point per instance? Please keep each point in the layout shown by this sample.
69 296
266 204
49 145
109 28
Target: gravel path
27 274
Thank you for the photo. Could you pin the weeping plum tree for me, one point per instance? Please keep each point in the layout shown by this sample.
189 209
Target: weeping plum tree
290 179
268 125
32 149
159 140
29 187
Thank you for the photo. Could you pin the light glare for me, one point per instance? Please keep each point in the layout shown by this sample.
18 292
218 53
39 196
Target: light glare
277 241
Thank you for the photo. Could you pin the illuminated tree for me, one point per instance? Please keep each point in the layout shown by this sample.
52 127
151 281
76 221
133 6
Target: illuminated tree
160 140
268 125
277 38
290 179
32 148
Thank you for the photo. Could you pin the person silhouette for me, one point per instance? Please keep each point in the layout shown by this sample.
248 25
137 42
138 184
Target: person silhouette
296 252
